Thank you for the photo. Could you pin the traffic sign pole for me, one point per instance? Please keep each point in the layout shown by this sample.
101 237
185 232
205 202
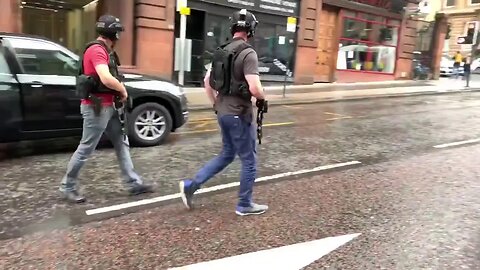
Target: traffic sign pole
184 11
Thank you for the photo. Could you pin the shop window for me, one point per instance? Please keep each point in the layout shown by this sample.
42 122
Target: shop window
46 62
365 57
368 45
274 45
449 3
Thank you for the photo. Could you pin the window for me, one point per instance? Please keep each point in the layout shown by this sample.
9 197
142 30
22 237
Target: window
4 68
44 58
274 45
368 43
353 55
474 2
449 3
46 62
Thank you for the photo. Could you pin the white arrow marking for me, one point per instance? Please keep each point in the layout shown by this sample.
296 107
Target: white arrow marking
293 257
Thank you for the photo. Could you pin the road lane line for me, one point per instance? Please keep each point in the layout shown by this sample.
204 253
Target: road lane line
457 143
211 130
117 207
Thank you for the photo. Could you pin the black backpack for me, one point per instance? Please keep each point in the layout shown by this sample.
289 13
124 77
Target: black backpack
222 78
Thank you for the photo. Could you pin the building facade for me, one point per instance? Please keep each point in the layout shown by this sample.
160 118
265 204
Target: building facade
459 14
335 40
354 40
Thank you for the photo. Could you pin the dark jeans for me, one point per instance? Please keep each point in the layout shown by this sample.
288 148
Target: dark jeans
238 136
467 77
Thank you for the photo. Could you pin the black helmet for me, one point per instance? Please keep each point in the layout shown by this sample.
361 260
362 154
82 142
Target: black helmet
243 20
109 26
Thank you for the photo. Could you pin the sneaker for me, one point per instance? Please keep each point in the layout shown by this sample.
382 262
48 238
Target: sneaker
186 194
138 189
73 196
253 209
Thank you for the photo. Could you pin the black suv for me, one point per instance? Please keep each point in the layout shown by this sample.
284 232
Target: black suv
38 99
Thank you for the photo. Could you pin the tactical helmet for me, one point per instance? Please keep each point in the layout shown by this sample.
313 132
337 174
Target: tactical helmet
243 20
109 26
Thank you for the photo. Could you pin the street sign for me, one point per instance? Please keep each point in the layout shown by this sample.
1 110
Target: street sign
182 7
291 24
180 4
185 11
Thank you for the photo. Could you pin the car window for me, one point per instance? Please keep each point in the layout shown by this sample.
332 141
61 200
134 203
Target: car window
4 68
46 62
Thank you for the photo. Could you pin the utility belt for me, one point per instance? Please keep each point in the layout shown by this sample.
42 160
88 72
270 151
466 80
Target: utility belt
240 90
88 86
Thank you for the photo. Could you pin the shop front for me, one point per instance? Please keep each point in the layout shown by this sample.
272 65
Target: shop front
353 41
208 27
367 46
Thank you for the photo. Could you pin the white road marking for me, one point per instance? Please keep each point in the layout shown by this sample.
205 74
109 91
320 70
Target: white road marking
293 257
211 189
457 143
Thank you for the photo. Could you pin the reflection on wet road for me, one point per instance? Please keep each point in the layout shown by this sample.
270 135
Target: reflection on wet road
402 185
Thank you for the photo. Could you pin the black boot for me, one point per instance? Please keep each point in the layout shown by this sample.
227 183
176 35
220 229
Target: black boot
138 189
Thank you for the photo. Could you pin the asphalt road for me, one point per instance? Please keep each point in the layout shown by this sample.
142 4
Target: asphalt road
414 205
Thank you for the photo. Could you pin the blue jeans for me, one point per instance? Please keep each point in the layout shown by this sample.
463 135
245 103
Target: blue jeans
93 129
238 136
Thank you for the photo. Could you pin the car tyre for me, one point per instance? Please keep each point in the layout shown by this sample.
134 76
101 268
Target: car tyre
144 123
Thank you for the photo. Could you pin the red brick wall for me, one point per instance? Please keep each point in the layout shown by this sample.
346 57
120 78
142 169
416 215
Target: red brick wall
154 44
307 41
10 16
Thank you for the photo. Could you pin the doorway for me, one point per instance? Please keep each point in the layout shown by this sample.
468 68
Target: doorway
195 33
70 23
327 44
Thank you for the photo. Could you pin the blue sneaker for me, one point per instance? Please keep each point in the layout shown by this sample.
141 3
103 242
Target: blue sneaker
253 209
186 193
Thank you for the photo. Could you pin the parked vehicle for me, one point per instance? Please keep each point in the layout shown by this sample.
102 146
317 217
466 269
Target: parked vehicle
446 67
38 98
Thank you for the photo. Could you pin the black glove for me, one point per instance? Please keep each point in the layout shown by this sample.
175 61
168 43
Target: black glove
262 104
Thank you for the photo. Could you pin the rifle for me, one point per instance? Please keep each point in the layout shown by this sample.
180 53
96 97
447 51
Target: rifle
262 106
120 107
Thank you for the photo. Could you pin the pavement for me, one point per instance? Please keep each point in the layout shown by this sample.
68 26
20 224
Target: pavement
328 92
400 174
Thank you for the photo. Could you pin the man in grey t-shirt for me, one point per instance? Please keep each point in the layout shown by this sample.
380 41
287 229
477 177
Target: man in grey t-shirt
235 117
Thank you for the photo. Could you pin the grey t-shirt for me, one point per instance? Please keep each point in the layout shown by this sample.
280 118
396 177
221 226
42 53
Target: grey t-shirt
245 64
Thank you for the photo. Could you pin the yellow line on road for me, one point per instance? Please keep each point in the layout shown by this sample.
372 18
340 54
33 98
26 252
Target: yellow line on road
338 118
336 114
211 130
202 120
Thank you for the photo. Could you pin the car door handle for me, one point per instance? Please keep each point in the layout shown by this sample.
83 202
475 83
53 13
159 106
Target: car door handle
37 84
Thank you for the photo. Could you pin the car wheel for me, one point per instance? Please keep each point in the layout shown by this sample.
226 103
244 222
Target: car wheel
149 124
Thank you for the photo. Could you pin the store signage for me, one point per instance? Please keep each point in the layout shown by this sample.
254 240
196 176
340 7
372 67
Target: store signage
386 4
391 5
280 7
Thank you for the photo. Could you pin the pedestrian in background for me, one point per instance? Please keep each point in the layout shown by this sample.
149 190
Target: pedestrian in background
457 58
467 69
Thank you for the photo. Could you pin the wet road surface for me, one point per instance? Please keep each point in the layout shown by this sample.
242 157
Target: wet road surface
415 205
